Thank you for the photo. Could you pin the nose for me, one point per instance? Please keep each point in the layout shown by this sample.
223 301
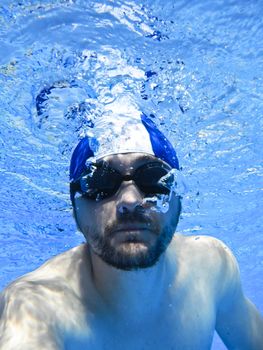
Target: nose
130 198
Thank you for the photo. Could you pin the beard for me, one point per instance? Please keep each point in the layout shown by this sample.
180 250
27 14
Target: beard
130 255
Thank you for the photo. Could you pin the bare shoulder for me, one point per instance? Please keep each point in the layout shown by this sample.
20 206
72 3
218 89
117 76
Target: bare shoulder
59 274
60 266
208 258
203 246
49 294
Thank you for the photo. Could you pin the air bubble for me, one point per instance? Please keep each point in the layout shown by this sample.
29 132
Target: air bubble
159 203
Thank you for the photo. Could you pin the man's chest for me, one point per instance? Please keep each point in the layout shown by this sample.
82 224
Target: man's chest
182 324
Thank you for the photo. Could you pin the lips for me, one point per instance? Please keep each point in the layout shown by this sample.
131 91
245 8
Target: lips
132 228
131 233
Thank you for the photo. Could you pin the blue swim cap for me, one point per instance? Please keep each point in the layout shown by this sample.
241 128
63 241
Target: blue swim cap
141 135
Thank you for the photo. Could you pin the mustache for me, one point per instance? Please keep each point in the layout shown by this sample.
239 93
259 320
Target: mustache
129 218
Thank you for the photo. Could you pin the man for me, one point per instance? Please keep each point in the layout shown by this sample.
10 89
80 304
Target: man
134 285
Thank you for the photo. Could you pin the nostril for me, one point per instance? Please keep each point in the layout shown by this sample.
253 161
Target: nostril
122 209
129 199
128 209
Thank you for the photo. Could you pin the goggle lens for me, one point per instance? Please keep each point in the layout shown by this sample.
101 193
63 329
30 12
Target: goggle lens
100 181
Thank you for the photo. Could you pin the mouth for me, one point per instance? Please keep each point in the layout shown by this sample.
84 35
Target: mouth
132 234
133 229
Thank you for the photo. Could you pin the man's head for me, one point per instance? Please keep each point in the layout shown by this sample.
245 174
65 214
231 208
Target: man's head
125 203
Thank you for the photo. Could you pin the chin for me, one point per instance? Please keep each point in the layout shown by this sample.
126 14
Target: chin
133 248
132 256
131 253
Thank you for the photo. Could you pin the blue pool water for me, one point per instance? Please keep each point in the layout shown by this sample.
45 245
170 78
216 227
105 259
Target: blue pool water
195 65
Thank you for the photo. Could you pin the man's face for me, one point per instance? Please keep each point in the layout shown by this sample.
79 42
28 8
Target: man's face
124 230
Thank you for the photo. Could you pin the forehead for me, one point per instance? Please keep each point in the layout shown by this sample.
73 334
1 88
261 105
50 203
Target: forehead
122 161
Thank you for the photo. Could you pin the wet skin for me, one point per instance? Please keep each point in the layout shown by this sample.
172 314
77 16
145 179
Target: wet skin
79 301
124 223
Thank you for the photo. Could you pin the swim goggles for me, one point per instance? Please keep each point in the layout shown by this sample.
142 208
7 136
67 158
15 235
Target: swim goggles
101 181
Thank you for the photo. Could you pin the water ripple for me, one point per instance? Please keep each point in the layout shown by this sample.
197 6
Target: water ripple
196 67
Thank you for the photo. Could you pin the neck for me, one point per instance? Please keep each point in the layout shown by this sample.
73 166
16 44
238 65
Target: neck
130 292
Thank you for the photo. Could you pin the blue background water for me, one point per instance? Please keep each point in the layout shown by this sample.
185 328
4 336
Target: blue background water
196 65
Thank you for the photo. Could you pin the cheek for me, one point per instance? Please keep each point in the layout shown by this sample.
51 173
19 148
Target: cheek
84 212
92 215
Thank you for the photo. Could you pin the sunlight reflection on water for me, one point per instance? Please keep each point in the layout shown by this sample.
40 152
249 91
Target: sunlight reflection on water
195 68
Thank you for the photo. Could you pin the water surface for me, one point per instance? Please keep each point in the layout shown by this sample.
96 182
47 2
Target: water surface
196 67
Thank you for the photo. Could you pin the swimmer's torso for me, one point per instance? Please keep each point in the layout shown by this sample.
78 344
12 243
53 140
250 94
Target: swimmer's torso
70 316
174 328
